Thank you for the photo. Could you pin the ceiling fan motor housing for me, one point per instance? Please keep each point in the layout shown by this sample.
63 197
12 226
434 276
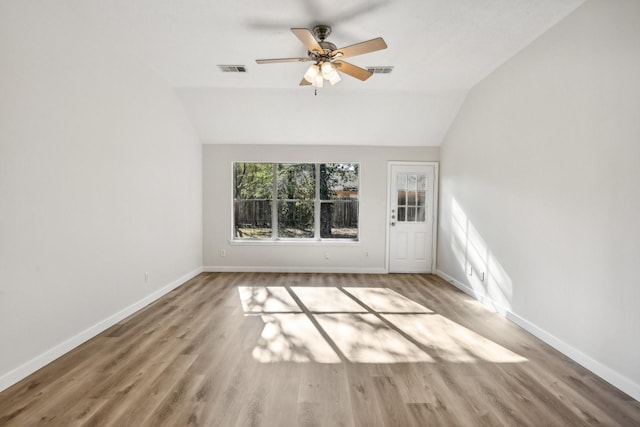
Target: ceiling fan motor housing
327 46
322 32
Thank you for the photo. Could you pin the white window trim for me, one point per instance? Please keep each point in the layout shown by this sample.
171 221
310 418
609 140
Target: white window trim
280 241
291 242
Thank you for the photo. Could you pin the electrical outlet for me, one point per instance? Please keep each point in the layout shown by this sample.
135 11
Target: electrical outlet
326 255
366 254
223 253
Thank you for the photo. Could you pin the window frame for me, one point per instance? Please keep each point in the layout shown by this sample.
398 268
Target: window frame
274 239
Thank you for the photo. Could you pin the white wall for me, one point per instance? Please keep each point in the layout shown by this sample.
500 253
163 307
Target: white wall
539 189
100 182
283 115
343 257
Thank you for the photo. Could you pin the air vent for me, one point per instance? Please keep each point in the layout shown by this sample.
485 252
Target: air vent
380 69
233 68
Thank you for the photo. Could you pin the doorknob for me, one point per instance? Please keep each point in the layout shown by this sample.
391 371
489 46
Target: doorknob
393 224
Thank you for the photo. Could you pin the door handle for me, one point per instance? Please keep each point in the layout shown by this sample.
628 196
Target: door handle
393 224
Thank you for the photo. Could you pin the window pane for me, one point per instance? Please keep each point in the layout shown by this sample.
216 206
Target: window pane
422 182
411 214
411 200
402 197
296 181
421 214
402 182
421 198
402 214
253 180
339 220
252 219
339 181
295 219
253 188
412 183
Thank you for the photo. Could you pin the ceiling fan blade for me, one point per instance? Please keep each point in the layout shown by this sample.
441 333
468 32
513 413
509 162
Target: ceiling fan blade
353 71
308 39
278 60
304 82
360 48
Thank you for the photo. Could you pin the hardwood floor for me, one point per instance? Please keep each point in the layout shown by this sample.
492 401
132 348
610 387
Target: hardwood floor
249 349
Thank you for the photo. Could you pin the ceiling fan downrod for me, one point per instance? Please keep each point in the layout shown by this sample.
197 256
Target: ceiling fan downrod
322 32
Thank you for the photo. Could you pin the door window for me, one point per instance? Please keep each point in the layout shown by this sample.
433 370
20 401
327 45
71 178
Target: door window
411 190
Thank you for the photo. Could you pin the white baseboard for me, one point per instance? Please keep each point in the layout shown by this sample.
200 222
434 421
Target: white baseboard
608 374
26 369
603 371
270 269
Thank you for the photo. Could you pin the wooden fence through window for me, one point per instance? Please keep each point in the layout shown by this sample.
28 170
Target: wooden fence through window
257 213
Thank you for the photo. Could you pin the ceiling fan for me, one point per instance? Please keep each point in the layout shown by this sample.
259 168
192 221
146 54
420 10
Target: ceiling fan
326 58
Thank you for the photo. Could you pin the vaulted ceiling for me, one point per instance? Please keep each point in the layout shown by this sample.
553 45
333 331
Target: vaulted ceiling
439 50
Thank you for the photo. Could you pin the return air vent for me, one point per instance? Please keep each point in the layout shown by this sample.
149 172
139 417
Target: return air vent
233 68
380 69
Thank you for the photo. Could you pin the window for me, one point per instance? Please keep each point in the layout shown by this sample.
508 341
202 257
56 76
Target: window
289 201
412 190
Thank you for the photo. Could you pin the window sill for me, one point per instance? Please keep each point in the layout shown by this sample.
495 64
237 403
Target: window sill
285 242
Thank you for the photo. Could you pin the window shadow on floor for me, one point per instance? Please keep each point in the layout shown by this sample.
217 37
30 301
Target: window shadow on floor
335 324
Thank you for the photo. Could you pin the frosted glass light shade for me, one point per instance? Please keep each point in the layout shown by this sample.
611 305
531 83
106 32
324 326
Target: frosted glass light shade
317 73
334 77
327 69
312 73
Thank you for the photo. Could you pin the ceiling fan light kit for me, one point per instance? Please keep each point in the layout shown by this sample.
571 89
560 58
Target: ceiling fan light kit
317 73
326 58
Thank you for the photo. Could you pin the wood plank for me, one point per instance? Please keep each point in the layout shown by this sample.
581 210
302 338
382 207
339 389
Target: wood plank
190 359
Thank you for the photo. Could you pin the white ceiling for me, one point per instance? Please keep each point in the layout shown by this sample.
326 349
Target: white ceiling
440 49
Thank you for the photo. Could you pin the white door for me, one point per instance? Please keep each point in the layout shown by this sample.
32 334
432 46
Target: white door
411 217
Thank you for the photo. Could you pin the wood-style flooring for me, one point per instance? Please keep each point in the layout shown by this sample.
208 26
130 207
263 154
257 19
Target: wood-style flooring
257 349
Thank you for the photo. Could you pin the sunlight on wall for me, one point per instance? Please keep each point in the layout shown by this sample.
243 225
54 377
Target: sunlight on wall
331 324
483 272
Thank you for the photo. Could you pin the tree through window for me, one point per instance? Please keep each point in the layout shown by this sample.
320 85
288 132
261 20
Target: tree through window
296 201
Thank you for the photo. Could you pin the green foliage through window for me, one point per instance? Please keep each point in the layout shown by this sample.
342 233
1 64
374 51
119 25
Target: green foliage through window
296 200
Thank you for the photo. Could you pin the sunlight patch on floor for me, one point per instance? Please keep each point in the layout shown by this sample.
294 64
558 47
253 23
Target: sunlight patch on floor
385 300
270 299
327 299
292 338
364 338
360 325
451 341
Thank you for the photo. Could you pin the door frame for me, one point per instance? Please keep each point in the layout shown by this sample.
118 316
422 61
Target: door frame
434 226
